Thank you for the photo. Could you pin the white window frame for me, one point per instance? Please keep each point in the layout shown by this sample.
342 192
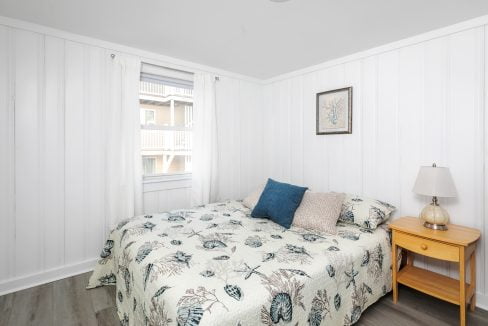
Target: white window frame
154 113
149 158
171 77
155 178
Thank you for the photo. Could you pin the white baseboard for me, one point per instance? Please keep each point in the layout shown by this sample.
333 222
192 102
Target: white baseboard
482 301
25 282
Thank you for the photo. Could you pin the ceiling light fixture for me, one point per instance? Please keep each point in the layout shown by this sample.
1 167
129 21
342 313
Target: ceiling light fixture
279 0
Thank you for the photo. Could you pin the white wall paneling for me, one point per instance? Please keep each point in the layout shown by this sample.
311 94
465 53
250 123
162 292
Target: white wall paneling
53 95
240 137
412 105
28 50
51 115
53 158
414 102
7 157
75 170
167 195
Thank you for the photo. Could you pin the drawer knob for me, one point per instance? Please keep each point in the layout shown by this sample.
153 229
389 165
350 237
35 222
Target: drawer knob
423 246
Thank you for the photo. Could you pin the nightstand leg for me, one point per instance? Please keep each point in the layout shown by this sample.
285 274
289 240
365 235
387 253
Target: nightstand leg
472 268
462 287
394 269
409 258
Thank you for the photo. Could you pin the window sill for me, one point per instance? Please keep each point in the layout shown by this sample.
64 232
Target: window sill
165 182
157 178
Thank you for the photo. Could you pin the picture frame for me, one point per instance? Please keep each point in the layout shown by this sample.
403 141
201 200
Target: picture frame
334 112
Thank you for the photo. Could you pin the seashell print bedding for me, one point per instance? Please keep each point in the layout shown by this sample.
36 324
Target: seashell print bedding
215 265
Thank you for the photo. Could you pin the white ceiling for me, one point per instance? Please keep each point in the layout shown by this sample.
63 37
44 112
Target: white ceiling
258 38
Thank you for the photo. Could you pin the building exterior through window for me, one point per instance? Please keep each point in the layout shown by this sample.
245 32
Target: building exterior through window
166 114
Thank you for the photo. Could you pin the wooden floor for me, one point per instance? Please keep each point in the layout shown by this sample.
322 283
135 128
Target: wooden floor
66 302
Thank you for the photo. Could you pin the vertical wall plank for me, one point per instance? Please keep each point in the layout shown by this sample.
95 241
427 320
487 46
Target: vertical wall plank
463 92
314 171
369 108
461 114
483 248
296 130
7 188
352 154
387 149
236 137
222 141
410 113
94 160
28 247
75 210
283 150
251 129
245 151
53 154
479 161
267 132
225 110
256 127
275 124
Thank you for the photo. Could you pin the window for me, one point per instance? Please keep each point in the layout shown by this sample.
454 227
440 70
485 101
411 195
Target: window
148 116
166 114
149 165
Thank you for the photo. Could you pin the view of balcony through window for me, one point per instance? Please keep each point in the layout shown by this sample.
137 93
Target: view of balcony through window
166 113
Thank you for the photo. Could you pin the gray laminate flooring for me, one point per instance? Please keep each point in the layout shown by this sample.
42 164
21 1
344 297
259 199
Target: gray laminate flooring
66 302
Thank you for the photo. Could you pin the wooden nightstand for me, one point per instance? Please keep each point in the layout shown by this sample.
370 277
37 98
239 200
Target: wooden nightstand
457 244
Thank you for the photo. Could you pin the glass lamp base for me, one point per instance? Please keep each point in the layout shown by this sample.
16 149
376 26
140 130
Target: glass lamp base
432 226
434 216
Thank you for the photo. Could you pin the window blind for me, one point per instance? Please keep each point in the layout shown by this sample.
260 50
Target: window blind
166 76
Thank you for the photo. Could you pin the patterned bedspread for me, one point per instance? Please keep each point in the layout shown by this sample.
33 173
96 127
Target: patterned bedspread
215 265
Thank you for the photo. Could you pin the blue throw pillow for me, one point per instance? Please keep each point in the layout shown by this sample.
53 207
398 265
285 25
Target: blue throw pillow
278 202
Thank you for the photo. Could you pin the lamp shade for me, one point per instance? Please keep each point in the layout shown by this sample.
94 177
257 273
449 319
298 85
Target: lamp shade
434 181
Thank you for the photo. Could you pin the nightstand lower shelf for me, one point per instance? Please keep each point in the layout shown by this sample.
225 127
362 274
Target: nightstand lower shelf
436 285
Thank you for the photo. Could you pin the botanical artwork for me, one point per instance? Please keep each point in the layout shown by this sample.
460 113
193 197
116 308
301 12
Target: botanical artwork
334 112
216 265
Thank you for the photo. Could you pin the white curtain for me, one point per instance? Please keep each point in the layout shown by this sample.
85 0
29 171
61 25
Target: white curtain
123 192
205 152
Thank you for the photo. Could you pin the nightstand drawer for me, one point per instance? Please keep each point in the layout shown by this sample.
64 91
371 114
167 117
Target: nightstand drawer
427 247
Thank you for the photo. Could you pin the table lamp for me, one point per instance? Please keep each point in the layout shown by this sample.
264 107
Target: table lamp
436 182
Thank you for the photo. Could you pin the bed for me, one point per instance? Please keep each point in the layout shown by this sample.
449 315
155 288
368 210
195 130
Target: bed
215 265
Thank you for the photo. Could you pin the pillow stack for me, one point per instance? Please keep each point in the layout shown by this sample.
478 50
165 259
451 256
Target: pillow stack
287 205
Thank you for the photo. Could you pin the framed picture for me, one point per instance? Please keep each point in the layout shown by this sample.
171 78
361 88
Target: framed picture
334 112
